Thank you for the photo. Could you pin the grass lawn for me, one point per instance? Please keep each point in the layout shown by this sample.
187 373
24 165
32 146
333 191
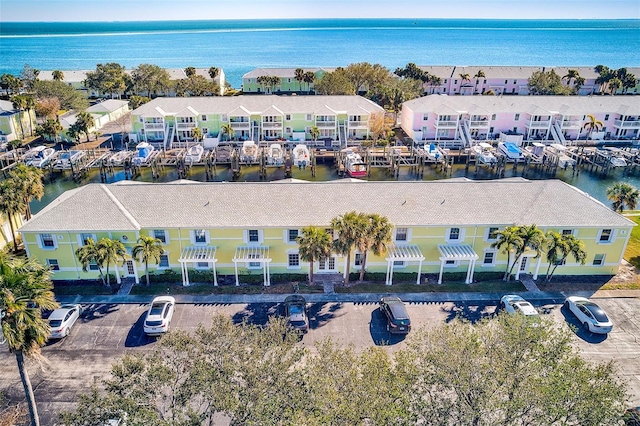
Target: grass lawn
202 289
494 286
83 290
632 254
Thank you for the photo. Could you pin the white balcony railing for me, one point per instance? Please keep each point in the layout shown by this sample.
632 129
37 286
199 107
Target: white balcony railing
355 124
539 124
446 124
627 124
272 125
185 125
153 126
326 124
571 124
240 124
479 124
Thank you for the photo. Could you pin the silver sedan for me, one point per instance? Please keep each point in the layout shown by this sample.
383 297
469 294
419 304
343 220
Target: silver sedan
590 315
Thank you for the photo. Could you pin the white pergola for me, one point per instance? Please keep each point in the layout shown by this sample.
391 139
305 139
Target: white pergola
257 254
404 254
196 255
457 252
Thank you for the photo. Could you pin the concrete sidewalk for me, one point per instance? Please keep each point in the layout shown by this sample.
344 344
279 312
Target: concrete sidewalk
227 299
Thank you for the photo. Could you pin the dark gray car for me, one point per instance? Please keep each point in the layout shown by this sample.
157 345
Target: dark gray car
295 307
398 321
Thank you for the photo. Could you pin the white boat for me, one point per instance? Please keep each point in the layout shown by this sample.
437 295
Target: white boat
39 156
535 151
249 152
558 151
301 156
355 167
119 157
615 157
484 153
433 152
511 150
68 158
275 156
144 153
194 154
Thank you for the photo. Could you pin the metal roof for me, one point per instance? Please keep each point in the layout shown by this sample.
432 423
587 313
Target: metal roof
449 202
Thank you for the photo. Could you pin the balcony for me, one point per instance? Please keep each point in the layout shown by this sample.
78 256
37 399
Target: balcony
357 124
446 124
479 124
538 124
154 126
272 124
571 124
240 125
627 124
326 124
183 126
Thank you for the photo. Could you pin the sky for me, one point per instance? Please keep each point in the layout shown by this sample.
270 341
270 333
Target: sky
151 10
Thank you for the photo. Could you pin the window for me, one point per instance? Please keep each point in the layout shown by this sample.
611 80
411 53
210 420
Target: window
445 81
254 264
254 236
84 238
200 236
53 264
401 234
287 117
425 117
358 259
164 261
567 232
492 234
203 118
309 117
489 256
506 81
517 117
161 235
606 117
454 234
455 81
292 234
294 260
450 263
605 235
598 260
515 81
93 266
493 116
202 265
560 262
47 241
399 263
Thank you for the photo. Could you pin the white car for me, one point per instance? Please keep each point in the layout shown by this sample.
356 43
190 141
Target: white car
62 319
512 303
159 315
590 315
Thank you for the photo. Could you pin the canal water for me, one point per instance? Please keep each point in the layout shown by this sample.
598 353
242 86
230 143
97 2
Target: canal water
591 182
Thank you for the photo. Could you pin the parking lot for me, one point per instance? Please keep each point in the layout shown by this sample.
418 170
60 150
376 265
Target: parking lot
107 331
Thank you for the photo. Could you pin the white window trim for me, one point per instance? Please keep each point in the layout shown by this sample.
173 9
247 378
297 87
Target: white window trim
573 231
253 243
293 268
409 234
398 265
80 239
460 235
54 237
455 264
612 237
355 265
487 232
192 236
166 235
57 264
164 268
252 260
604 258
286 236
197 267
495 254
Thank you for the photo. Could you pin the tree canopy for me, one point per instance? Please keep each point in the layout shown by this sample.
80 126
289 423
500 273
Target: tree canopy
497 371
548 83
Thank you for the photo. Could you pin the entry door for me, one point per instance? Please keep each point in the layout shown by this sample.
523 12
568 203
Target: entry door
327 264
131 268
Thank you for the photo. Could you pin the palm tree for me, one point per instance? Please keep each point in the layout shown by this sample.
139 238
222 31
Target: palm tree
197 134
309 77
12 204
30 106
614 84
299 76
227 130
579 82
85 123
348 227
559 247
314 132
480 74
57 75
376 236
112 250
25 291
19 103
508 240
532 239
91 253
464 77
314 243
147 248
571 74
213 72
28 182
623 195
592 124
190 72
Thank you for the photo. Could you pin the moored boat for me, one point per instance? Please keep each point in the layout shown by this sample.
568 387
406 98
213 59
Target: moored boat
433 152
301 156
67 159
194 154
275 156
119 157
39 156
484 153
144 153
511 151
354 165
249 152
559 153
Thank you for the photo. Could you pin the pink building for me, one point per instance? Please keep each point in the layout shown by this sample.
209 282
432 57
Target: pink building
459 121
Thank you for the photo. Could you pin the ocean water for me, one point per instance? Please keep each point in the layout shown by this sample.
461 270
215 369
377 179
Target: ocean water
239 46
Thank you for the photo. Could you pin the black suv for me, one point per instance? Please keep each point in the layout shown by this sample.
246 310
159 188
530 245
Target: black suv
398 320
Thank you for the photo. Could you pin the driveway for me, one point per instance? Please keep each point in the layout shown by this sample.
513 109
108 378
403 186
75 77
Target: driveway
107 331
